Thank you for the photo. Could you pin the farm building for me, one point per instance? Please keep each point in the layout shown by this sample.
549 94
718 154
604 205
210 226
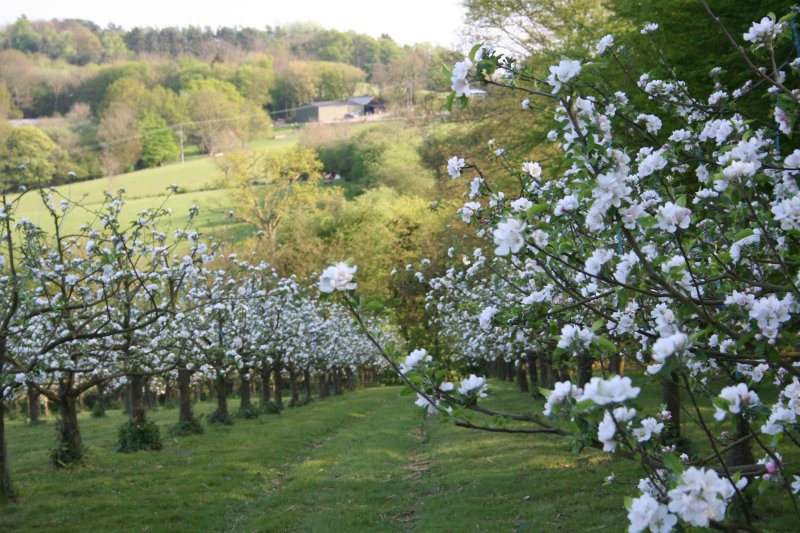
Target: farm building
335 110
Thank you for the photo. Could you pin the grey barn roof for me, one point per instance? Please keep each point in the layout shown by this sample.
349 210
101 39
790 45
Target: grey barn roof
356 100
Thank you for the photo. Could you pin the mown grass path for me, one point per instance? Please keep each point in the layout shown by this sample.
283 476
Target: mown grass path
365 461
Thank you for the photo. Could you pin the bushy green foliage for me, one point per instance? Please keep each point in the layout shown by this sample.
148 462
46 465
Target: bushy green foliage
248 412
220 418
63 456
27 157
269 408
182 429
158 141
134 437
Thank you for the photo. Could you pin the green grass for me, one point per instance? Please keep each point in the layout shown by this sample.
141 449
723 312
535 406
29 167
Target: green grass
365 461
198 181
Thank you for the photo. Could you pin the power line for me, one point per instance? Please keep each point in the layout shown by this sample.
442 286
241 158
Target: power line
178 128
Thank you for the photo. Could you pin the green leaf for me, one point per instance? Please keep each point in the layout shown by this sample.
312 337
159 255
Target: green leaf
604 345
374 305
628 501
450 98
474 50
535 209
673 463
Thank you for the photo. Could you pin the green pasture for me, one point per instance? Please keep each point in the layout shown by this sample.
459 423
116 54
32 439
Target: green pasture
365 461
198 181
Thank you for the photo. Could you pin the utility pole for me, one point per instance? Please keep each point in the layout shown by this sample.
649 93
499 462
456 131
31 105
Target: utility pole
180 134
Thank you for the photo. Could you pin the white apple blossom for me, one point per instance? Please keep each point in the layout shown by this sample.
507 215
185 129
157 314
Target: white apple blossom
562 73
615 390
414 358
575 338
646 513
454 166
671 216
701 496
459 81
474 384
765 30
737 397
338 277
604 44
509 236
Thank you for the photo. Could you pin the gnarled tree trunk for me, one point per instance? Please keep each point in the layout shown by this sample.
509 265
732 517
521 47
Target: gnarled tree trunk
69 432
278 379
265 384
522 378
585 362
33 404
138 409
185 395
671 396
295 397
222 397
6 492
307 385
244 390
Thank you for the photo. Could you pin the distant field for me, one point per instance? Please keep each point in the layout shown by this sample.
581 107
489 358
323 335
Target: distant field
196 178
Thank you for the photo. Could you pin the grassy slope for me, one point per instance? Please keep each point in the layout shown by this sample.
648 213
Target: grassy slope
197 179
366 461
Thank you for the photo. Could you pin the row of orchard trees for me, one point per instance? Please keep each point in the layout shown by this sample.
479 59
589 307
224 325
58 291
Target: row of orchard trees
667 241
125 303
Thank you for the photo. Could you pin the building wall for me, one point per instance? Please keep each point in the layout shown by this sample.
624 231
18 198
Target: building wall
307 114
328 113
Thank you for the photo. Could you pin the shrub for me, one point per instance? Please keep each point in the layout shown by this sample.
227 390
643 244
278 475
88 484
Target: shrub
269 408
182 429
249 412
134 437
220 417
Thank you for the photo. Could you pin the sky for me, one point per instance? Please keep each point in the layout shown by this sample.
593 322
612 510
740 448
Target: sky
406 21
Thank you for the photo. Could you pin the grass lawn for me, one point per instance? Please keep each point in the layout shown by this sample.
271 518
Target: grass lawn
198 179
365 461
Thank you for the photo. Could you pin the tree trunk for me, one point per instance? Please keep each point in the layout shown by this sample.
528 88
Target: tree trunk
222 397
244 391
69 434
265 384
742 453
6 492
100 406
278 379
33 404
324 391
522 378
533 377
295 397
150 400
351 382
617 364
307 385
185 395
337 381
546 370
138 411
671 396
585 362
